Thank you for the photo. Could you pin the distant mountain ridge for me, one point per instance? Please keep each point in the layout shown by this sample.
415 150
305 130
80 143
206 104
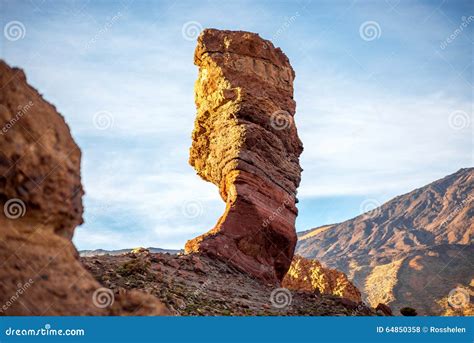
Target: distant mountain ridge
399 252
101 252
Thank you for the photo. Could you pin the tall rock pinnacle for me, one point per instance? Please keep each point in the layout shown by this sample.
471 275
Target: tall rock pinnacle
245 141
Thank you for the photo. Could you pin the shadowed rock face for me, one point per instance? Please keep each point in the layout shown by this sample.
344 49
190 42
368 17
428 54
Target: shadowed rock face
411 251
39 161
245 142
41 204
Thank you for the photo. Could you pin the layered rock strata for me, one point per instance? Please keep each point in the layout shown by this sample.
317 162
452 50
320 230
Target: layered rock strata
245 142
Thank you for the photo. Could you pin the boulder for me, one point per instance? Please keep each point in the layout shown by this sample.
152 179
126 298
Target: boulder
386 310
41 204
309 275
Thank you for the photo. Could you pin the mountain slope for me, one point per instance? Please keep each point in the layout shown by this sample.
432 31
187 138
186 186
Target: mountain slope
391 251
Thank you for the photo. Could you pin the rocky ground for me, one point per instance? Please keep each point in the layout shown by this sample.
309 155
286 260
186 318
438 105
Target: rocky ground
415 250
198 285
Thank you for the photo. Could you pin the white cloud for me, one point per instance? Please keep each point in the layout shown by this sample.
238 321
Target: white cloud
360 140
365 130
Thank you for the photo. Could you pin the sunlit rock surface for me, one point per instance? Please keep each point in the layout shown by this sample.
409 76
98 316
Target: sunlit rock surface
309 275
245 142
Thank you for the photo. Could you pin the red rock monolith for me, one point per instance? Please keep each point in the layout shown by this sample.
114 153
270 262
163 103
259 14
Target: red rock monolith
245 142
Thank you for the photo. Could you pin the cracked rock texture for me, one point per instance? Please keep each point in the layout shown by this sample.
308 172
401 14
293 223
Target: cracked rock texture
41 204
309 275
245 142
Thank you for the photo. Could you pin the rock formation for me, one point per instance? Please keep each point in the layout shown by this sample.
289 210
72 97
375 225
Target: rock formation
397 254
41 204
245 142
310 275
200 285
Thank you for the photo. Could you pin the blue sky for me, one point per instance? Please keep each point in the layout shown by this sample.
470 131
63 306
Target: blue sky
384 102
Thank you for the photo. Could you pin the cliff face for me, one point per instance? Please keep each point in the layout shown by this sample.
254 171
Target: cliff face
40 198
309 275
245 142
411 251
